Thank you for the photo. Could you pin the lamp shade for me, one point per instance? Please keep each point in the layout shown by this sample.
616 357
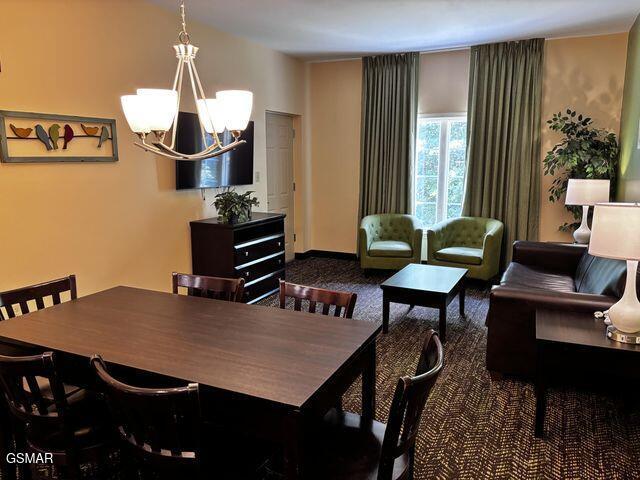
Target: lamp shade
135 108
162 107
210 115
236 107
615 232
587 191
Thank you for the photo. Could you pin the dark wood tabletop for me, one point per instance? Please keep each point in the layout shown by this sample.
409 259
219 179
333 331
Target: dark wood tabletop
576 328
279 355
426 278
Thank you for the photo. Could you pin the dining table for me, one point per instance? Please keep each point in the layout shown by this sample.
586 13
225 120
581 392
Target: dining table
261 370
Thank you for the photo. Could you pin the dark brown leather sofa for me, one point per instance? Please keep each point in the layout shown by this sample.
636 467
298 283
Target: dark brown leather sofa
544 275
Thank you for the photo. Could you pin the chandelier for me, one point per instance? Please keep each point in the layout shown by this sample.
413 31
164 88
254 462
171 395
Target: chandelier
156 110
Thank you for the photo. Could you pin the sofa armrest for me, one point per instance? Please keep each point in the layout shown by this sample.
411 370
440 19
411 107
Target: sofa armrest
549 256
534 299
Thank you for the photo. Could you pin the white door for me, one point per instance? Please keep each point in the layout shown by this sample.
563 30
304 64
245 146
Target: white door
280 173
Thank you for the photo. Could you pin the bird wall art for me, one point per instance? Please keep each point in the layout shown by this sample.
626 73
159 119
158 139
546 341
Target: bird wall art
79 135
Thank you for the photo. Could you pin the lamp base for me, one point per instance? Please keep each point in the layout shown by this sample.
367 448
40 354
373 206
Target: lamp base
623 337
582 235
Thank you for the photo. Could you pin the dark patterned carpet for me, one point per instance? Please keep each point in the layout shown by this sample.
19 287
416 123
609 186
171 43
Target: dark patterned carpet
474 428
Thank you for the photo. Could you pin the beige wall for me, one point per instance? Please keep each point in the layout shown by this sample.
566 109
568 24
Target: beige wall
334 91
120 223
585 74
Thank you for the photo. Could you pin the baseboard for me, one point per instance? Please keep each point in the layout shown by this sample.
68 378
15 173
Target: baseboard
326 254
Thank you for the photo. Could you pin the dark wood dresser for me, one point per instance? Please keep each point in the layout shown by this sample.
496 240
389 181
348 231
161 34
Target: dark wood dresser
253 250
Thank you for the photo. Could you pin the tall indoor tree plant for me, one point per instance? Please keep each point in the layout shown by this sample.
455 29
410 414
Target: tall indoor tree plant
584 152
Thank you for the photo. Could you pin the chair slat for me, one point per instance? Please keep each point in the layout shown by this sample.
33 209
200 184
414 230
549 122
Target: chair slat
56 298
10 311
344 302
39 303
24 308
217 288
22 296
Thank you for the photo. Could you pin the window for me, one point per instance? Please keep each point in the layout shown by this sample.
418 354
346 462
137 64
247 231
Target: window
440 168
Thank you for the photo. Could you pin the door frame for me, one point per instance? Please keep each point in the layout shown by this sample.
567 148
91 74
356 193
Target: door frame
300 234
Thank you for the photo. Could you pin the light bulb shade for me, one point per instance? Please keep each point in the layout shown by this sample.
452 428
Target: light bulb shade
615 232
162 105
587 192
135 108
235 106
210 115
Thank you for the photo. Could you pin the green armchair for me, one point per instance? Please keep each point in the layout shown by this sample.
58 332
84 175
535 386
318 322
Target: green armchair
473 243
389 241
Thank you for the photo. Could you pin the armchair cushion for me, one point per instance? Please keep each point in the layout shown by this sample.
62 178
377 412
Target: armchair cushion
465 255
390 248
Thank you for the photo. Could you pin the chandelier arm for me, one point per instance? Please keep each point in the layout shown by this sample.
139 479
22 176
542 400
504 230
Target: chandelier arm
180 74
195 98
194 73
208 152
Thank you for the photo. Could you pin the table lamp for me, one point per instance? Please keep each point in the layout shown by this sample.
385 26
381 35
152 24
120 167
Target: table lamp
616 234
586 192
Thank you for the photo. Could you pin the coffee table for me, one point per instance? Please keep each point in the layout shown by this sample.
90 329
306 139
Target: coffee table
426 286
572 346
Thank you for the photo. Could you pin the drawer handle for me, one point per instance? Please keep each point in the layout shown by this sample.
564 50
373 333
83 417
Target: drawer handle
279 261
279 244
246 253
246 274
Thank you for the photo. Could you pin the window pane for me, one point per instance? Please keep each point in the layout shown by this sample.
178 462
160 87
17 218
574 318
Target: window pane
426 213
457 145
428 147
426 189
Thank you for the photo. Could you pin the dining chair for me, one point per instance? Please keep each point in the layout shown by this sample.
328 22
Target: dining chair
343 302
27 297
229 289
74 432
350 447
159 428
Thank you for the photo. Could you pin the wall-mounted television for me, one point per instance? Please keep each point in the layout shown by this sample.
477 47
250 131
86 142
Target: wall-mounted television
229 169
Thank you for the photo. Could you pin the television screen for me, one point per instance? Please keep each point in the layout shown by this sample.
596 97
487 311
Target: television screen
229 169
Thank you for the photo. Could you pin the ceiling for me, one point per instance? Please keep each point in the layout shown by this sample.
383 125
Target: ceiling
323 29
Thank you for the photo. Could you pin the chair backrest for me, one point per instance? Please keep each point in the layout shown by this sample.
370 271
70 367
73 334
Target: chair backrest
160 426
343 302
229 289
408 402
389 226
37 295
19 379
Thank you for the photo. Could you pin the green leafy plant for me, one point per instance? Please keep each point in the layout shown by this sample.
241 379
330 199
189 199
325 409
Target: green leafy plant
234 207
584 152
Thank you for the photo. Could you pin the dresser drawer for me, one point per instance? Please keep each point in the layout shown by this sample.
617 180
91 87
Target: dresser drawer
260 289
259 268
256 249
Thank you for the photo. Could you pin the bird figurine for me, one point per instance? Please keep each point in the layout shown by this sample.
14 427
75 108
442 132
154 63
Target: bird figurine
68 136
54 135
21 132
43 137
104 135
91 131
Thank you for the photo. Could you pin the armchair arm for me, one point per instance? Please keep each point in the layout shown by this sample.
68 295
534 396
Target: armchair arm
492 243
436 238
550 256
364 240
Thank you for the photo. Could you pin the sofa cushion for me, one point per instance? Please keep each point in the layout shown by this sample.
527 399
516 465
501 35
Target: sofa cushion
524 276
601 276
466 255
390 248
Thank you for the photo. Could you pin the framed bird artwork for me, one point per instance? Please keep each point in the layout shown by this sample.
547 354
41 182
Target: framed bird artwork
27 137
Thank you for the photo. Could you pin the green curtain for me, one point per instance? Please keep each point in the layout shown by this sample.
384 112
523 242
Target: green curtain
389 115
503 137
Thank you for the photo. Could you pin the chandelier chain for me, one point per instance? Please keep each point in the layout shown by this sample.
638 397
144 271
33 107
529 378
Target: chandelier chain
183 36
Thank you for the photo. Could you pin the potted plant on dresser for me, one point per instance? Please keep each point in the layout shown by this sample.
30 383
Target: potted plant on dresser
234 207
